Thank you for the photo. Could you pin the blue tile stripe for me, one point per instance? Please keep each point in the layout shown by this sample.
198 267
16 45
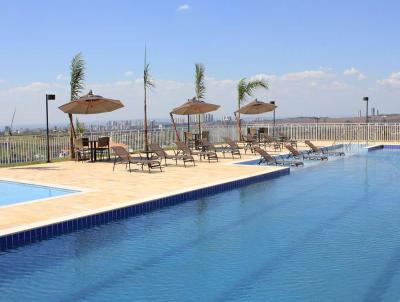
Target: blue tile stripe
42 233
379 147
391 146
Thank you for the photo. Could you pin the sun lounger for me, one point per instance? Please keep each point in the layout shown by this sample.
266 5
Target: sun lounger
211 155
161 154
124 157
233 147
316 150
269 160
293 152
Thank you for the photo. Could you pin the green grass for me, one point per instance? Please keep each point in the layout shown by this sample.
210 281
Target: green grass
32 163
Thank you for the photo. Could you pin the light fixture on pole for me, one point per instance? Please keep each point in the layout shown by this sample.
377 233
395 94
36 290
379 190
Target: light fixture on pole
366 100
273 125
49 97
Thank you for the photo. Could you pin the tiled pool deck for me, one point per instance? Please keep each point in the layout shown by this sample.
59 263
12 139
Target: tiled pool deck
108 195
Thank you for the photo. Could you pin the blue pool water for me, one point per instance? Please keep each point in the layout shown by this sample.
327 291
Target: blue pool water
328 232
16 192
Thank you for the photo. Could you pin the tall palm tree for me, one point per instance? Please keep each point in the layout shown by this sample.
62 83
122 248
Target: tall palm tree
147 84
245 89
77 83
199 85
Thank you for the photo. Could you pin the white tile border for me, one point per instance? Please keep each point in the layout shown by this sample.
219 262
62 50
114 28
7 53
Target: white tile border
25 227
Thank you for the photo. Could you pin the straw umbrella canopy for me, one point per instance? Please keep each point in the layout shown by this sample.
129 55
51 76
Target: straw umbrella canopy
255 107
91 104
190 107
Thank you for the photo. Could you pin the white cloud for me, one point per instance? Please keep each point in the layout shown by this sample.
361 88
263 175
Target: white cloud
183 7
354 72
128 73
124 83
392 80
307 74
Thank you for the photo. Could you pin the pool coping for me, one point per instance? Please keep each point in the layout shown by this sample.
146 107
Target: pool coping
13 237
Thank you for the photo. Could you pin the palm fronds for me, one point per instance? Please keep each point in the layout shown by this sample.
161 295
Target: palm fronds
246 88
77 76
147 80
199 81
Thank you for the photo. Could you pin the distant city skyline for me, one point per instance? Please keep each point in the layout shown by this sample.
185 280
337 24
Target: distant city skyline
320 58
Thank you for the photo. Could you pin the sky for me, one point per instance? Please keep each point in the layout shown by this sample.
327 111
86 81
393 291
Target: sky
319 57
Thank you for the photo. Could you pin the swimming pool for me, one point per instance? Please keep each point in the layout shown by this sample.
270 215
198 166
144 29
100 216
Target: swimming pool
16 192
327 232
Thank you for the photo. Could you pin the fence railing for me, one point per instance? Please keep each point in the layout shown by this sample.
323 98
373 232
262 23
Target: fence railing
32 148
344 132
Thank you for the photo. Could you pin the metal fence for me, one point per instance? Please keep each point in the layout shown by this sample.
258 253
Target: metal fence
344 132
23 149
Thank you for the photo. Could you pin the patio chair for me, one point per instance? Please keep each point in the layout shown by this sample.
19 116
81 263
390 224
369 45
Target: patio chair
124 157
266 158
161 154
250 143
211 155
293 152
316 150
205 135
82 150
103 146
189 140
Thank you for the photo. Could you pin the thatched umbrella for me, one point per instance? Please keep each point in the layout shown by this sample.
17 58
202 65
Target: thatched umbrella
192 106
91 104
255 107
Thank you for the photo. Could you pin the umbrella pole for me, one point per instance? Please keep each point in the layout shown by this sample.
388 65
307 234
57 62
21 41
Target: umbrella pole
199 126
174 125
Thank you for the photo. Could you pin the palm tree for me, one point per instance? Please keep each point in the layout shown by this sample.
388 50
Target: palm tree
77 83
245 89
199 85
147 84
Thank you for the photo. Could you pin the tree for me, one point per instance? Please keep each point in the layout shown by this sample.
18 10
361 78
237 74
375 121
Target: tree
77 83
199 85
245 89
147 84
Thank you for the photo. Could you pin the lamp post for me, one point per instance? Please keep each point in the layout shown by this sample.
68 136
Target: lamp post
366 99
273 125
49 97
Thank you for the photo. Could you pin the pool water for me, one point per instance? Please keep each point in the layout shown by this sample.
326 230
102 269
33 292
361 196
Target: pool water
328 232
16 192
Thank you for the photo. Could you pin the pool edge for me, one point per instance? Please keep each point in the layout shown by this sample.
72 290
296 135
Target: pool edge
30 235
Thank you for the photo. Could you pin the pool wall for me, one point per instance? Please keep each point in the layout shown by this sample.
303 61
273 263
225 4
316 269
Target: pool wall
17 239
